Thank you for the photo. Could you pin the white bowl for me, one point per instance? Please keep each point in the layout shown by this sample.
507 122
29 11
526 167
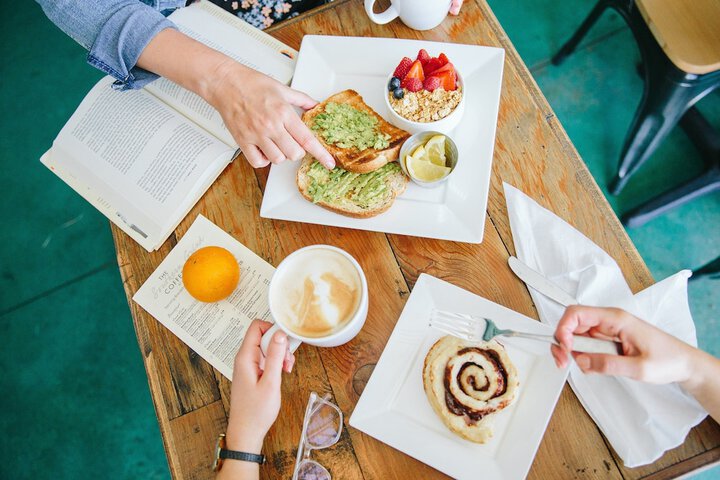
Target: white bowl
444 125
451 153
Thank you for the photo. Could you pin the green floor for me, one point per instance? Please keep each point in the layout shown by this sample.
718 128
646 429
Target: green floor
74 396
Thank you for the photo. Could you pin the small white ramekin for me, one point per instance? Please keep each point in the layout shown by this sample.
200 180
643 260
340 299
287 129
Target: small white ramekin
451 153
444 125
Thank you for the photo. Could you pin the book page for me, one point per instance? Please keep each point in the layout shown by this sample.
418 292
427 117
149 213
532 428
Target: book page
225 33
149 163
213 330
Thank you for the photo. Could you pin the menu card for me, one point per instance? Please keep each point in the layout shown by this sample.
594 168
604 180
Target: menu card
213 330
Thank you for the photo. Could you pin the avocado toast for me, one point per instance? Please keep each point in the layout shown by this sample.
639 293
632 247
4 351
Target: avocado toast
365 147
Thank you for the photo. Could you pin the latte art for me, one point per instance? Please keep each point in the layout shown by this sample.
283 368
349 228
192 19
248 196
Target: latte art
318 293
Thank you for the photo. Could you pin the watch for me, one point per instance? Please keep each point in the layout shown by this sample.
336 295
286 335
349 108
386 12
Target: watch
221 454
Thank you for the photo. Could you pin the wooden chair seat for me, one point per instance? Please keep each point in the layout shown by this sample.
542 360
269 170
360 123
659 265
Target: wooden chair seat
687 31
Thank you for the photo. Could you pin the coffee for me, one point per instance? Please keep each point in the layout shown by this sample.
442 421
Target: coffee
317 293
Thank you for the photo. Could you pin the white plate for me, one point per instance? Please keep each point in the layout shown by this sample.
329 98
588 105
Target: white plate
394 409
454 210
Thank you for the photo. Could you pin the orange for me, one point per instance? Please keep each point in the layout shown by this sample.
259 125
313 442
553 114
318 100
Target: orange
211 274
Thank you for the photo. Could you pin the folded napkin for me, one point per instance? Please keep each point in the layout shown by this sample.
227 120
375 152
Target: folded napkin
640 420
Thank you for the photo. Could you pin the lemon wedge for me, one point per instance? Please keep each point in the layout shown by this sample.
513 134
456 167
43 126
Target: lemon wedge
425 171
435 150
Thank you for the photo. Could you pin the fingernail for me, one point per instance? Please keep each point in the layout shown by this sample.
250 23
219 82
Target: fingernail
280 337
583 362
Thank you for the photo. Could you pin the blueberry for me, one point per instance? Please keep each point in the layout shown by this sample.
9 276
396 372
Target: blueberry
398 93
394 84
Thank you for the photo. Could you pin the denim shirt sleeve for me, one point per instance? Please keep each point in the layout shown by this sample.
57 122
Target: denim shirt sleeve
115 32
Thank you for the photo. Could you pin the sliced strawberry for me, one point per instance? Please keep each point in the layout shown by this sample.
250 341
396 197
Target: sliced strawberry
416 71
448 79
432 65
448 67
423 56
403 68
412 84
431 83
443 59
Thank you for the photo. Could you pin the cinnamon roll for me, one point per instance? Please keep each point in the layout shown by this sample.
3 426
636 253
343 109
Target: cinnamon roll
467 383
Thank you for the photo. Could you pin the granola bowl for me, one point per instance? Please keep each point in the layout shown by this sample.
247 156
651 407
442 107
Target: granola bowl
444 125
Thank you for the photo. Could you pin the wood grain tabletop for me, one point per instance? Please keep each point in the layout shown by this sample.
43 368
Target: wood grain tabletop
532 152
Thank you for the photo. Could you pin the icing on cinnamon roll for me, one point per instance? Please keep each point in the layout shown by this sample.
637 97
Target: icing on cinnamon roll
466 383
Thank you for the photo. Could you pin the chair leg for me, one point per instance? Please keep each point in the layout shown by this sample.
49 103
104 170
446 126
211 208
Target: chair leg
577 37
663 104
711 270
697 187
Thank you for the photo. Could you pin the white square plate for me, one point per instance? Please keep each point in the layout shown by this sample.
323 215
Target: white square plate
455 210
394 409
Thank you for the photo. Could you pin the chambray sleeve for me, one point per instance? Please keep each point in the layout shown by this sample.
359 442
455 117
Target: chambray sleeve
114 32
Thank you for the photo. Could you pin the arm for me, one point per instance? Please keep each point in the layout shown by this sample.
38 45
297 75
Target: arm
649 354
257 110
114 32
254 398
135 43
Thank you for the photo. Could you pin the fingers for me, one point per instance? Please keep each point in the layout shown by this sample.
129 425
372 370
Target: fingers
631 367
579 319
253 334
289 147
560 356
271 151
299 99
305 138
274 360
254 156
288 361
455 7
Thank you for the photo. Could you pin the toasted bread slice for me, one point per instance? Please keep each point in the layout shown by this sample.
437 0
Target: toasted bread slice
352 159
382 198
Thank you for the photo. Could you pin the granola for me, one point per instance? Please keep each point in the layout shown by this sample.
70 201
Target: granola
425 106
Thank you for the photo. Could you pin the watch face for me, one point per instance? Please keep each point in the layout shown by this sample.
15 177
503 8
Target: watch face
217 464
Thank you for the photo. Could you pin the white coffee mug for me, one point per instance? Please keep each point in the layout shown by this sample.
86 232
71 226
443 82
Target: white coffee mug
417 14
344 334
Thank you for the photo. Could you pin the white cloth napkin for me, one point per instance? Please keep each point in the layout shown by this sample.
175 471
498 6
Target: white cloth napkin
641 421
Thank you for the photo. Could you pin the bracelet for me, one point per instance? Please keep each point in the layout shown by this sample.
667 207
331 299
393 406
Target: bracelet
243 456
221 454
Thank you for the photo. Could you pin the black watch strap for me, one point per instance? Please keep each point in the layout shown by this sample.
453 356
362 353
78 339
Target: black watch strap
244 456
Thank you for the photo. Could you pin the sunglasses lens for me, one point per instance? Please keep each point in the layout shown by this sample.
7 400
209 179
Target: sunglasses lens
310 470
324 425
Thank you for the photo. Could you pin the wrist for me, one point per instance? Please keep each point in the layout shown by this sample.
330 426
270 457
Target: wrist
213 83
695 365
243 443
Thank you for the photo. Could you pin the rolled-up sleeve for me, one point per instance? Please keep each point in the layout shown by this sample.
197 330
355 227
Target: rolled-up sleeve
115 32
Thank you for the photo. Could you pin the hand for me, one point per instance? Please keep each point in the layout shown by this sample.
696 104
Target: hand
649 354
455 7
255 394
257 110
259 113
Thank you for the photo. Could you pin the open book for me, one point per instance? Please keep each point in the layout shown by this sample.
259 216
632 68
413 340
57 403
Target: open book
144 157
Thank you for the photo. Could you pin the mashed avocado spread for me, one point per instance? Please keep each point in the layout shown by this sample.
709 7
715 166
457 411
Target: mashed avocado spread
360 188
347 127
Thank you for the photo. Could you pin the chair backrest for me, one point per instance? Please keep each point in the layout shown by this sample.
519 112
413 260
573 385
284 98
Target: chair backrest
687 30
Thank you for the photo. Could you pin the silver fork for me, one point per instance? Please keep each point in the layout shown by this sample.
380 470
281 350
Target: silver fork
476 329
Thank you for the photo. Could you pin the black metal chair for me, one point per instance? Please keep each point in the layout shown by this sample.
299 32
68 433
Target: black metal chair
669 95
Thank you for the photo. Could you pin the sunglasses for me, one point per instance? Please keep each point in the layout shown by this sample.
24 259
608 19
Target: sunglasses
322 427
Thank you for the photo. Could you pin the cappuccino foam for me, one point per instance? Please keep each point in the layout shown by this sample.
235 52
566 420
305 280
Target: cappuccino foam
317 294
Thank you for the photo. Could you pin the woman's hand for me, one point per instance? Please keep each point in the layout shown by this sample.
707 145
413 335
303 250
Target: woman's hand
649 354
455 7
255 393
257 110
259 113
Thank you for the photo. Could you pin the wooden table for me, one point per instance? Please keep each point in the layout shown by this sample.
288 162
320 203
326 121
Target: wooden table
532 152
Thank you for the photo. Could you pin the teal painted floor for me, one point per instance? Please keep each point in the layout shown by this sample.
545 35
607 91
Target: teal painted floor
75 400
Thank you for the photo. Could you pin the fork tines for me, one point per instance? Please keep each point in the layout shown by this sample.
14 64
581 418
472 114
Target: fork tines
453 324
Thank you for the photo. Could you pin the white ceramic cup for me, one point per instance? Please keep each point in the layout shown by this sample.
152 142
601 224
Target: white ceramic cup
416 14
345 334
